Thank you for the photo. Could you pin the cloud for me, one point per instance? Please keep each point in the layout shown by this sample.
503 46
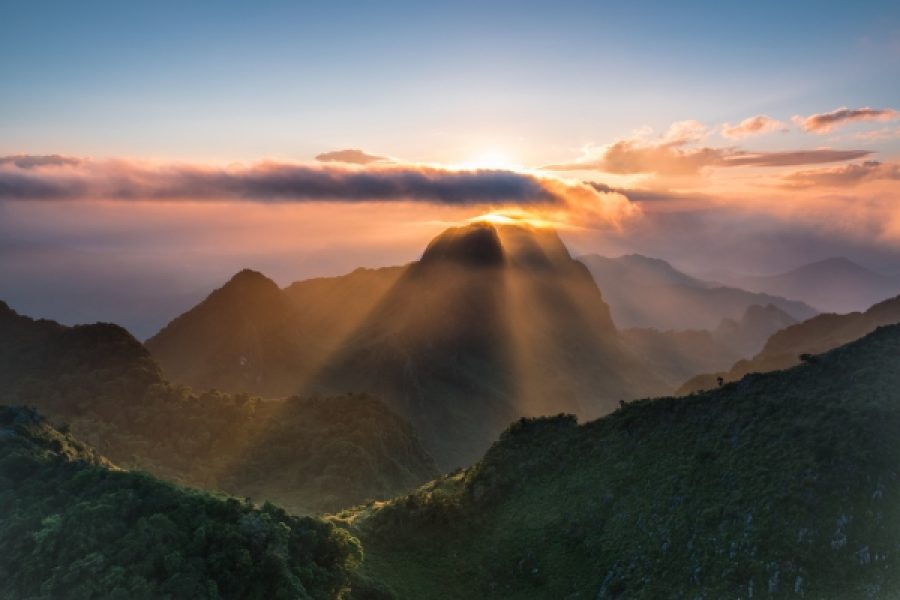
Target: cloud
885 133
824 122
634 156
757 125
122 180
685 132
27 161
351 156
792 158
844 176
22 178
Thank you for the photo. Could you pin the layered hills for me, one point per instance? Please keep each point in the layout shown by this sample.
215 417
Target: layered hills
645 292
833 285
492 323
783 485
787 347
308 454
676 356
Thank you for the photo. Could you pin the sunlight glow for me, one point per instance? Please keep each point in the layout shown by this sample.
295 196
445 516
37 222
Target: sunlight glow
493 159
514 217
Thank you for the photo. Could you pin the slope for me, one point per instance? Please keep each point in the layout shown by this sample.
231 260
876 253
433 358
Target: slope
782 485
819 334
309 454
71 526
491 324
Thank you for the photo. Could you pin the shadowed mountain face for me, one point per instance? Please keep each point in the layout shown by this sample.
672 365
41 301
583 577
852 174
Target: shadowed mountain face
816 335
649 293
491 324
784 484
308 454
833 285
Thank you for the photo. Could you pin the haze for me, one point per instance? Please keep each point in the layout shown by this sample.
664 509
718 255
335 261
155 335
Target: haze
146 159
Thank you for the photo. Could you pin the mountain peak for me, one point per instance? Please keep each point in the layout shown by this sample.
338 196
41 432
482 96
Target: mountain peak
472 245
249 277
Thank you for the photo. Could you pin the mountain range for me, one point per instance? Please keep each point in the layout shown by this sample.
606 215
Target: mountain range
787 347
645 292
351 395
675 356
492 323
831 285
307 454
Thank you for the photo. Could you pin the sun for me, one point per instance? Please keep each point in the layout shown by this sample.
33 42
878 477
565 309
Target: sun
493 159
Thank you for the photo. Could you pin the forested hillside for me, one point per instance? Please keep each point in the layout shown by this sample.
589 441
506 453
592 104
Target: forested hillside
71 526
782 485
308 454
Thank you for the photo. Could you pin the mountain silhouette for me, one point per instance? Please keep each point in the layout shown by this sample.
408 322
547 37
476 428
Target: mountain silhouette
832 285
648 292
492 323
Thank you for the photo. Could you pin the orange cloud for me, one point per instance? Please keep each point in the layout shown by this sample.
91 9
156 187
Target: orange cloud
824 122
351 156
844 176
636 156
885 133
757 125
66 179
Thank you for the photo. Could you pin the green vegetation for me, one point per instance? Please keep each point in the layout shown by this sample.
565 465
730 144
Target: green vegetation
71 526
307 454
781 485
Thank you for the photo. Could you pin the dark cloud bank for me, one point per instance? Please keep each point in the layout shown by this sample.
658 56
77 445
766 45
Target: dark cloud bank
60 178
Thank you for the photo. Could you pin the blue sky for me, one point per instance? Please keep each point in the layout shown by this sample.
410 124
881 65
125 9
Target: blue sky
423 81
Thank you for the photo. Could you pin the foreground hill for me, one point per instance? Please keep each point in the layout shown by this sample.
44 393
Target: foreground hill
783 485
833 285
645 292
309 454
72 526
819 334
492 323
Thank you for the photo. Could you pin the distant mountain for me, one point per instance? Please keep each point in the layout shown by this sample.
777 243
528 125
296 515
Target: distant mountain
676 356
74 526
833 285
308 454
782 485
819 334
493 323
648 292
747 335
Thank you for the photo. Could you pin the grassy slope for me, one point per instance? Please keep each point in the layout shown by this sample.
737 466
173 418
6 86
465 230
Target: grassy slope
784 483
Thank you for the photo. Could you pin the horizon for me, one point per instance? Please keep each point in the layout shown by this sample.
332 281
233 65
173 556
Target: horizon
143 159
